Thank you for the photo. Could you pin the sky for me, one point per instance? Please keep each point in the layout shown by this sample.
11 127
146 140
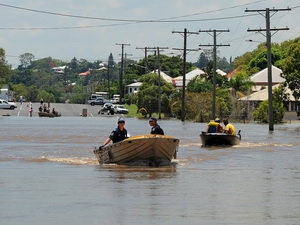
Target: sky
92 29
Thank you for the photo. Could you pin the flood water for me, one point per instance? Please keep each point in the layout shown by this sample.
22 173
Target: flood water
49 175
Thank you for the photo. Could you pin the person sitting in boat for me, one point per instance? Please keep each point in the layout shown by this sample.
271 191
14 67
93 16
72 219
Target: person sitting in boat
229 128
118 134
54 112
155 128
214 126
45 108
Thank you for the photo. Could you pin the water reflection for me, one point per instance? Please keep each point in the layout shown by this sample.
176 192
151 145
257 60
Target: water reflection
121 173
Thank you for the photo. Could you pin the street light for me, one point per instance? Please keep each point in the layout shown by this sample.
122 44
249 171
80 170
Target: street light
144 67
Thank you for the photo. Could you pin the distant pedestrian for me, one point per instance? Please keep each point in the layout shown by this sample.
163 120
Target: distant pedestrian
30 111
41 101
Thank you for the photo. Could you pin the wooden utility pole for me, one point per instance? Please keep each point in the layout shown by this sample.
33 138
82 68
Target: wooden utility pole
185 33
215 64
159 82
269 56
122 72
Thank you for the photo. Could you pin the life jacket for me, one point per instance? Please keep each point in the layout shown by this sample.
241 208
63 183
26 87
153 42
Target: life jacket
212 127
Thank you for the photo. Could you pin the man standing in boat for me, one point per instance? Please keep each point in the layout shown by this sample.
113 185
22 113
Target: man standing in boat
118 134
229 128
155 128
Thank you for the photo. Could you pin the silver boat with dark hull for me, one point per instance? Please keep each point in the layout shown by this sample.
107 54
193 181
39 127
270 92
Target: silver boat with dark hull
51 115
144 150
208 139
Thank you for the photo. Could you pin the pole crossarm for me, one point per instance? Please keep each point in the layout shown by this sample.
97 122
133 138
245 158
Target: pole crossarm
264 10
182 32
271 29
269 56
155 48
214 45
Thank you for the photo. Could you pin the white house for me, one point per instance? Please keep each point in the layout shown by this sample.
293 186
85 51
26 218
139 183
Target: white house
262 95
178 81
261 78
260 91
133 88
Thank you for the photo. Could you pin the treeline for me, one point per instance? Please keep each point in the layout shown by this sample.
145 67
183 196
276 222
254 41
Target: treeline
36 79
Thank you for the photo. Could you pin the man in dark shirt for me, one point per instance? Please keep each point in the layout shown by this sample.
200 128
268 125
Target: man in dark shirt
118 134
155 128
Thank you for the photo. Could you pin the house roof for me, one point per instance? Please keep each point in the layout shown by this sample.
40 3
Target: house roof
262 95
232 73
221 72
85 73
262 76
136 84
163 75
178 81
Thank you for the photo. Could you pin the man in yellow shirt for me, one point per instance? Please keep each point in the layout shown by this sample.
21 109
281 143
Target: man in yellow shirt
229 128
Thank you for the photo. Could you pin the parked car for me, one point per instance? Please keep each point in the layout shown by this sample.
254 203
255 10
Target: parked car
107 107
97 101
120 109
7 105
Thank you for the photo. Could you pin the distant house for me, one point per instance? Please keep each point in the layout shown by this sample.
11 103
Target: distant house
59 69
231 74
260 91
6 93
164 76
83 74
133 88
257 97
177 82
221 72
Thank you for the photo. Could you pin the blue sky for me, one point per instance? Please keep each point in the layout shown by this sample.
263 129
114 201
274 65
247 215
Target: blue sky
90 29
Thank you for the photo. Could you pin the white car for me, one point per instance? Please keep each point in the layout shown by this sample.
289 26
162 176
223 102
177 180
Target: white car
7 105
120 109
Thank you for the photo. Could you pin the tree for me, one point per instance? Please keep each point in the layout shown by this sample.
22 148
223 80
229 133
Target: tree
32 94
202 61
147 97
261 113
198 84
20 90
4 67
26 60
290 66
241 83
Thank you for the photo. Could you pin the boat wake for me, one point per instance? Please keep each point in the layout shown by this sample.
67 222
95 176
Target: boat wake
251 144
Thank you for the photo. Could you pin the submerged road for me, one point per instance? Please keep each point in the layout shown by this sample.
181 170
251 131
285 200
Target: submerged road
65 109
